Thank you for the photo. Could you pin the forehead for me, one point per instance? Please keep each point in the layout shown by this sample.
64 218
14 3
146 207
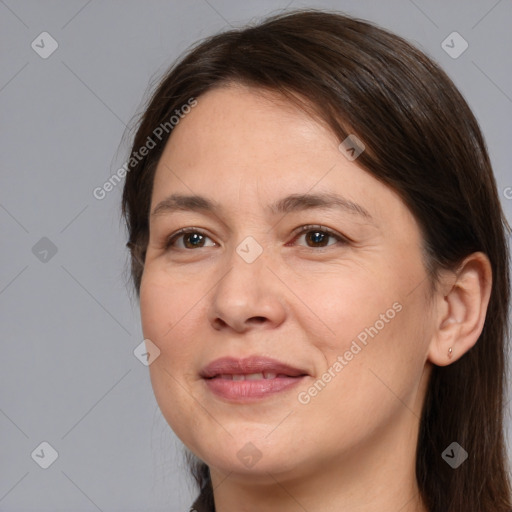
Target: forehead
242 114
244 144
237 131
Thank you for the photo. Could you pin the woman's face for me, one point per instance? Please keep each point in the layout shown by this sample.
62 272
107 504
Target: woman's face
347 312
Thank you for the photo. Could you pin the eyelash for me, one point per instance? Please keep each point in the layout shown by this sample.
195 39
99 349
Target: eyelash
304 229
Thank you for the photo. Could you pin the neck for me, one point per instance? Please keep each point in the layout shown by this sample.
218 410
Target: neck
378 477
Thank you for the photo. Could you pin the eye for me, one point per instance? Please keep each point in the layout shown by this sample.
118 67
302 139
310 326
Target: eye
192 239
319 236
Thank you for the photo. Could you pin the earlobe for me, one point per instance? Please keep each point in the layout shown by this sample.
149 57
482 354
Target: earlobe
462 307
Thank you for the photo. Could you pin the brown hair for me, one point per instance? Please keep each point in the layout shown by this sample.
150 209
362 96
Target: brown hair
423 141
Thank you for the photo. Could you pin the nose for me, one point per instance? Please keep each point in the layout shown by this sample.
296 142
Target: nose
248 296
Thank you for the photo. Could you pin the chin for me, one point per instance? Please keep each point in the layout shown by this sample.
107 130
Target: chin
245 457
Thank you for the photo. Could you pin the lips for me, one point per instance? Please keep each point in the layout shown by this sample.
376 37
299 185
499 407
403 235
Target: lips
250 368
250 379
250 376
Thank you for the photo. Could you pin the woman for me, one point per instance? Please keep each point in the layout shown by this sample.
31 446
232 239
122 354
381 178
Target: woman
321 260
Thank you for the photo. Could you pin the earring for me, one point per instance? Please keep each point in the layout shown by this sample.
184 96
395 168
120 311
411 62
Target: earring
450 352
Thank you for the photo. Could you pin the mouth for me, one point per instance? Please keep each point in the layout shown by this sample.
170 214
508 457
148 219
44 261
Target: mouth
251 376
250 379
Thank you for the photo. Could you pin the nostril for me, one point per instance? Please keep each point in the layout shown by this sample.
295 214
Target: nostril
220 324
257 319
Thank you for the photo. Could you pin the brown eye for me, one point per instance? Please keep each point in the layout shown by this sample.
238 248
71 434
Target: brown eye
319 236
192 239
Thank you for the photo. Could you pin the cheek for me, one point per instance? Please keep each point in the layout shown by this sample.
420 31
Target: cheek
152 311
166 314
375 353
165 305
378 370
353 307
168 317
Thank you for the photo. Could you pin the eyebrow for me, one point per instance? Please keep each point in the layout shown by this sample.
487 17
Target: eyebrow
290 203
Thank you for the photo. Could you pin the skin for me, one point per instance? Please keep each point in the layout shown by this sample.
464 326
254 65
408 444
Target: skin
352 446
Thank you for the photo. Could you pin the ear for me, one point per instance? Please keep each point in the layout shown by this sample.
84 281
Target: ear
461 307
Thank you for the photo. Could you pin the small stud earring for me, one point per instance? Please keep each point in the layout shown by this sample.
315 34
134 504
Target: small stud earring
450 352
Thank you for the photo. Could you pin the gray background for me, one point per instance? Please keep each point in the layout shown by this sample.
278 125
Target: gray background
68 375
